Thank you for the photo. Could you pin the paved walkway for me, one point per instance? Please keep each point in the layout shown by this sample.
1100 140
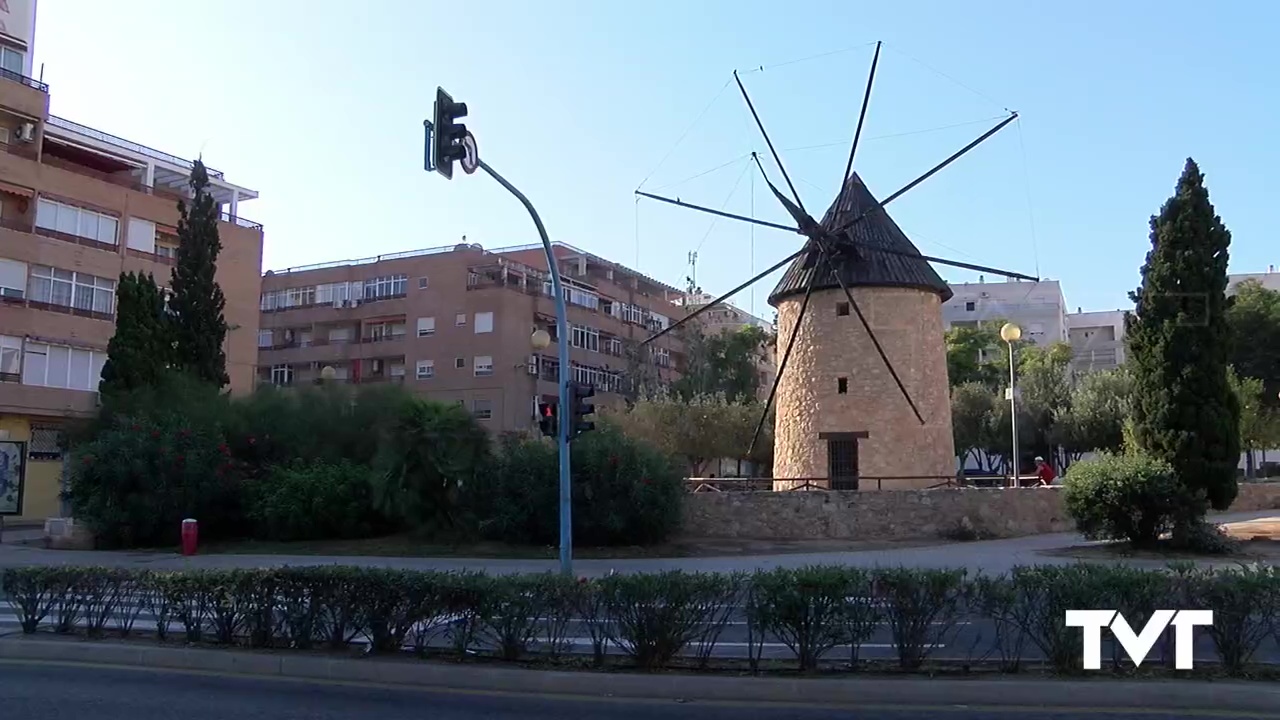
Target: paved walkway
993 556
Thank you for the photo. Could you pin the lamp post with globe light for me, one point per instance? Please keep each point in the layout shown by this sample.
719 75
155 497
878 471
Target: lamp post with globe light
327 374
1011 334
540 340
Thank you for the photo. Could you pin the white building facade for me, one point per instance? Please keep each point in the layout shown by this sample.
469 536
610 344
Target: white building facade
1039 308
1097 340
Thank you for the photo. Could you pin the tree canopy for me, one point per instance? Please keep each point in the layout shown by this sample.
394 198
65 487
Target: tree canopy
1254 317
197 305
723 363
1184 412
699 429
141 350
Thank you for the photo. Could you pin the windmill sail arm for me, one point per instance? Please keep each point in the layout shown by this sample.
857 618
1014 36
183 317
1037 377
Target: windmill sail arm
722 298
807 224
849 239
932 171
884 357
786 354
680 203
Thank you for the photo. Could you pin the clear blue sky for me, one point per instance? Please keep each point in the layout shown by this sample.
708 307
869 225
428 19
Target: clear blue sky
319 106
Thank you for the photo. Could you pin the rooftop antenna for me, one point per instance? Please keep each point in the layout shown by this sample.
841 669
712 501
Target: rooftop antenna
693 272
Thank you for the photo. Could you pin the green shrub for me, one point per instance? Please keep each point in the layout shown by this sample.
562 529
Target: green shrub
921 607
1246 608
309 501
624 492
431 452
811 610
654 618
276 426
137 481
1124 497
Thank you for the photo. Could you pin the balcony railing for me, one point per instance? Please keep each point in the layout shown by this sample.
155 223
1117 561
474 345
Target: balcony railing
86 242
153 257
20 78
67 310
120 142
123 181
237 220
21 149
20 224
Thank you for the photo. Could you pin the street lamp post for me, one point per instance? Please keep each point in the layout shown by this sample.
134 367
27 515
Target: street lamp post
562 335
1011 333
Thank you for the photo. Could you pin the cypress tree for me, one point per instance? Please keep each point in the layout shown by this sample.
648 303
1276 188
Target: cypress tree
141 349
1184 411
197 304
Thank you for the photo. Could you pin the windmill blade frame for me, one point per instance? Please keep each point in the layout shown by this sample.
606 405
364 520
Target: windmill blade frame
782 362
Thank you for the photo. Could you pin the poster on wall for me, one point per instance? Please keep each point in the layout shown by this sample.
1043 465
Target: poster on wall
12 455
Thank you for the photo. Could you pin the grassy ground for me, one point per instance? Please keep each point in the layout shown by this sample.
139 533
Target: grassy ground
408 546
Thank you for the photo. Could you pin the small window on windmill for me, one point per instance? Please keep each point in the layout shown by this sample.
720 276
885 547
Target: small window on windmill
842 386
970 307
842 309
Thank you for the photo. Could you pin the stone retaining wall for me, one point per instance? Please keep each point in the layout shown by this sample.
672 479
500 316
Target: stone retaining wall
898 514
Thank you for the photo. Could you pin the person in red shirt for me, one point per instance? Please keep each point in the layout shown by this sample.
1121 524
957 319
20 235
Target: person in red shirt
1045 472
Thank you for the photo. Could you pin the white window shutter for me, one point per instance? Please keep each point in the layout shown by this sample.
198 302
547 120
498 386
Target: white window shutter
13 274
142 235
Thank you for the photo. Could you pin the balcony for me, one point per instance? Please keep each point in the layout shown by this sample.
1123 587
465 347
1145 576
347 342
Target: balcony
324 350
134 165
12 76
109 139
60 309
241 222
24 95
20 149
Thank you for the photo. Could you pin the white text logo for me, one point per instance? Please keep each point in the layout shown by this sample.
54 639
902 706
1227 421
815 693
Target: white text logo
1137 645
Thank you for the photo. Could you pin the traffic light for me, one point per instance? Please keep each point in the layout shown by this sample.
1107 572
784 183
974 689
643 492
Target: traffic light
447 133
547 419
579 395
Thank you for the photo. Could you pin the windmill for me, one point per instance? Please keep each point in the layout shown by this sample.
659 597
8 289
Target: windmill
867 395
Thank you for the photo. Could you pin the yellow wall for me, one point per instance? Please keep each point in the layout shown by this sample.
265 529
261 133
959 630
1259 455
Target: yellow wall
43 477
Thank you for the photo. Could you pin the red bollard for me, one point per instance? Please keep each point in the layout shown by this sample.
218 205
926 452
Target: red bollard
190 536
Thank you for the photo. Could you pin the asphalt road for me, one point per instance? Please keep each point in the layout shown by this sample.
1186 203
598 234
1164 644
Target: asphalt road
56 692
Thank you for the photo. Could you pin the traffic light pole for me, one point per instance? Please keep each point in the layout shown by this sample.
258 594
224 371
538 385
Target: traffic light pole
563 412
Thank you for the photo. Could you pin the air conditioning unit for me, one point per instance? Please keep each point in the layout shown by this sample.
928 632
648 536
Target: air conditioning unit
533 365
27 132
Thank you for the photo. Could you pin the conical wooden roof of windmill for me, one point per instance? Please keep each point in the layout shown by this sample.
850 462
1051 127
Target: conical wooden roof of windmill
858 249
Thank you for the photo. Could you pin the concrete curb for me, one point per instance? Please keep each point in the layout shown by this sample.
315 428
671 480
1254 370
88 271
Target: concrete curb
1184 697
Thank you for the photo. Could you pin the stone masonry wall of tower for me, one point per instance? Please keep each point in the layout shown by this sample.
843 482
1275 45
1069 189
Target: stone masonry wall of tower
908 324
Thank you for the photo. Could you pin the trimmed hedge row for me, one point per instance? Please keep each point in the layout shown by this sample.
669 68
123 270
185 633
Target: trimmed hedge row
654 619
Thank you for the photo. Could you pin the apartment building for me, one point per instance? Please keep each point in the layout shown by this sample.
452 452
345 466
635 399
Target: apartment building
1039 308
1269 279
455 324
78 206
729 318
1097 340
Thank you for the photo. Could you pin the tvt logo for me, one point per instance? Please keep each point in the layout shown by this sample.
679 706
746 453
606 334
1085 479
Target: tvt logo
1137 645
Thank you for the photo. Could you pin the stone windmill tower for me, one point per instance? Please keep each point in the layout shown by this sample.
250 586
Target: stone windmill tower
862 393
